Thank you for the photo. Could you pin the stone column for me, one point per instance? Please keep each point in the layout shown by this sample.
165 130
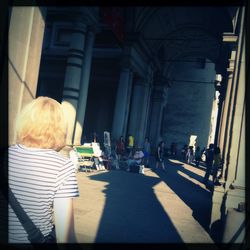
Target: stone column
240 178
236 145
158 101
129 94
228 112
145 124
73 76
84 85
235 171
26 31
229 41
225 115
233 119
149 80
138 110
221 100
121 103
214 116
219 195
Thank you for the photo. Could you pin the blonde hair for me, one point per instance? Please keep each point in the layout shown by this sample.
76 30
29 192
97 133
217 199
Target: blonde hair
41 124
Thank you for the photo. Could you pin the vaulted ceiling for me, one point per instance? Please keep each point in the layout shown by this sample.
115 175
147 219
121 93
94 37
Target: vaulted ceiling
173 33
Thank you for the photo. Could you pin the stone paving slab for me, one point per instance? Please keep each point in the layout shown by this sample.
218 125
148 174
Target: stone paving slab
157 207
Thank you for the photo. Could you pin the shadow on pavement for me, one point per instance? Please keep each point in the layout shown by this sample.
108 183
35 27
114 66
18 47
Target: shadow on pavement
132 213
194 196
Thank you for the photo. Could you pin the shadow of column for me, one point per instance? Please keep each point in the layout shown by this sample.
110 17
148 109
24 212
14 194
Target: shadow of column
132 213
197 198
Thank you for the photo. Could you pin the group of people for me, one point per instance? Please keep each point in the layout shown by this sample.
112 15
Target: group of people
133 154
213 160
213 156
140 153
190 155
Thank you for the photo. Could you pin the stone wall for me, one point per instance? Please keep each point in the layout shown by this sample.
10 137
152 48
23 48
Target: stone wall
189 105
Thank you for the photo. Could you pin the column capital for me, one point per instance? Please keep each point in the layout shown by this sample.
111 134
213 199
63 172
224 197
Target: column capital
161 80
125 61
231 60
230 73
126 69
222 89
94 29
78 25
229 37
139 80
89 15
159 93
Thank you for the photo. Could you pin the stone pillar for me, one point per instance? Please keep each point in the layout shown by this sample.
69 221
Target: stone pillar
220 194
127 112
240 178
138 110
214 116
228 110
234 147
221 100
229 41
73 76
121 103
26 31
236 142
158 101
84 85
146 120
225 117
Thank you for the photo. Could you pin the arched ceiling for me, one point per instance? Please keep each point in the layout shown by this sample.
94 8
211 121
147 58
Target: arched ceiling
193 41
172 32
166 19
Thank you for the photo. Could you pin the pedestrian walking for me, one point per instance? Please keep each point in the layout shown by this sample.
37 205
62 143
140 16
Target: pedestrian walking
197 156
190 154
209 162
184 152
160 155
216 165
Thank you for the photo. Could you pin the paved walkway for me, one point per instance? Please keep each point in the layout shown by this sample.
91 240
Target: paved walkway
157 207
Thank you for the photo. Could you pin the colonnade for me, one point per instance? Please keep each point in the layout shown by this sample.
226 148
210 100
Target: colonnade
134 101
133 98
228 197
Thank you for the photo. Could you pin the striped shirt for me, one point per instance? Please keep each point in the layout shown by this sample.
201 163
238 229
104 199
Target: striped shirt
37 177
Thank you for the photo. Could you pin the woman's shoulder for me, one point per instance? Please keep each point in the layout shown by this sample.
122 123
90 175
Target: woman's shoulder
45 161
39 153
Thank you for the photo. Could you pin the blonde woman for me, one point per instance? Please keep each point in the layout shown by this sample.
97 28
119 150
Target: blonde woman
42 180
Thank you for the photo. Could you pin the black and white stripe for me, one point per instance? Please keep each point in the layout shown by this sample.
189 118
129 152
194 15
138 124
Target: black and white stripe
37 177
